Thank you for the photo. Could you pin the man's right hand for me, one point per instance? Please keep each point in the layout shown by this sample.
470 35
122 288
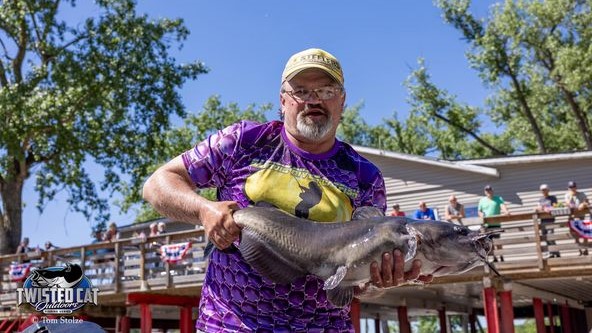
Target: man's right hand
220 228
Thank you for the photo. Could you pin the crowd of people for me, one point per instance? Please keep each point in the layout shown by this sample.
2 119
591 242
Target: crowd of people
110 235
494 205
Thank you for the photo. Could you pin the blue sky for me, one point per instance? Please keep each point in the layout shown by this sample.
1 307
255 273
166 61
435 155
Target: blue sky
245 44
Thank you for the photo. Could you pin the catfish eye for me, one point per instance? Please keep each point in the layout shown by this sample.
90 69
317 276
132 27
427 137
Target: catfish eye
460 230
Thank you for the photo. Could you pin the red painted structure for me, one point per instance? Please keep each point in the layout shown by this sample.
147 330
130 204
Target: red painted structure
566 319
442 316
507 311
355 313
539 315
145 300
490 307
404 325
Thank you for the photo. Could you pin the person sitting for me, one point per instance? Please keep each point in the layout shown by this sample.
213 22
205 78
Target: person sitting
454 210
396 211
424 213
576 200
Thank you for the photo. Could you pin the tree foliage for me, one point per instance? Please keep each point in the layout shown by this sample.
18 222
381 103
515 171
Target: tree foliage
197 127
536 57
100 92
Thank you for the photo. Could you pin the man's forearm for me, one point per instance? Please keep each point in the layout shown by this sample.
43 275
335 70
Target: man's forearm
173 196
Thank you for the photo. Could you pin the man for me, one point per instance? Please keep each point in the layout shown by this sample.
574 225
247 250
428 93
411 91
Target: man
576 200
296 165
546 203
397 211
424 213
454 210
491 205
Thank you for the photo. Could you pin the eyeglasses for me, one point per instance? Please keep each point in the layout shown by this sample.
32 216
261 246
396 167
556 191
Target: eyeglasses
323 93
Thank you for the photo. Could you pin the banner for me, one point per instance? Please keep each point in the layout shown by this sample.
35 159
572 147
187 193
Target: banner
19 272
581 228
174 252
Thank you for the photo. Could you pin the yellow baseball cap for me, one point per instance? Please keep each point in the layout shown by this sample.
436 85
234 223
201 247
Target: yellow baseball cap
313 58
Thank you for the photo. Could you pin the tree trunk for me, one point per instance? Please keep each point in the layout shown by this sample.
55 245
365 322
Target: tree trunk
11 215
581 118
528 112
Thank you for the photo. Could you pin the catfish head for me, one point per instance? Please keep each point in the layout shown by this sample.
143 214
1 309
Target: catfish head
446 248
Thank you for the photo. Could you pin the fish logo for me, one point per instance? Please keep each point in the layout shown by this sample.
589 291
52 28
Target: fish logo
57 290
67 277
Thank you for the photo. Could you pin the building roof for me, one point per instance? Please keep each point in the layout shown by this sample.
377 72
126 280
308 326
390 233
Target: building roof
488 171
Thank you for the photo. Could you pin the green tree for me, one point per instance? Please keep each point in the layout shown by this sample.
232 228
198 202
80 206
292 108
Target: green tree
99 92
197 127
536 56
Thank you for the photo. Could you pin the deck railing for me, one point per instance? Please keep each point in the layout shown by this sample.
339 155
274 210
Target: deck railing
529 248
122 266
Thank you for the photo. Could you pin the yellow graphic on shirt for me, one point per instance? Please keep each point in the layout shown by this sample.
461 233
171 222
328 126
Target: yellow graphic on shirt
299 192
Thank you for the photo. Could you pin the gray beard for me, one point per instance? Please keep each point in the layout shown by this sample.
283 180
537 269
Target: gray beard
311 130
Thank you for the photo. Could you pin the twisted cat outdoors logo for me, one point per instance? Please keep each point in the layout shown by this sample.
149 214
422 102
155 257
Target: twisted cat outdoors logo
57 290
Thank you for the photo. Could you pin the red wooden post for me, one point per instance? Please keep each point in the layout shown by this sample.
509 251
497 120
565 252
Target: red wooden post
442 316
507 311
551 317
539 315
145 318
490 307
355 314
566 318
185 320
404 325
124 324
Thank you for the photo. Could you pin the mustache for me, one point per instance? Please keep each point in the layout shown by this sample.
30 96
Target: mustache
314 108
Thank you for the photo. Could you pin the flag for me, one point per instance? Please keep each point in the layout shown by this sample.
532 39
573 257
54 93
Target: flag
174 252
19 272
581 228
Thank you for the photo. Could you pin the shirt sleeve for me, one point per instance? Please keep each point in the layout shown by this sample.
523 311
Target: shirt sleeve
209 161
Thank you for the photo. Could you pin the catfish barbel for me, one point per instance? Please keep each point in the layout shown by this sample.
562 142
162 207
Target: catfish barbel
283 247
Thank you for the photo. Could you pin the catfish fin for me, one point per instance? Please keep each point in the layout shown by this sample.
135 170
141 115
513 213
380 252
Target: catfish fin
333 281
340 297
267 261
210 248
366 212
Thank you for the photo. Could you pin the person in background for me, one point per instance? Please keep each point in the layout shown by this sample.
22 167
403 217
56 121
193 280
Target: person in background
424 213
49 246
576 200
454 210
297 165
23 247
112 234
579 204
153 229
161 228
546 203
396 211
491 205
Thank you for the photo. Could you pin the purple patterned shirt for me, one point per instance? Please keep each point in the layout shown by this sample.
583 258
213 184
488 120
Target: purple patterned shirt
248 163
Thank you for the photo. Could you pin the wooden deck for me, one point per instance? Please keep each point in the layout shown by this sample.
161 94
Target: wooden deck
133 265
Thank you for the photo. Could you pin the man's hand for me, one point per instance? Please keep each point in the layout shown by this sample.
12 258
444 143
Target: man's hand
391 273
219 225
